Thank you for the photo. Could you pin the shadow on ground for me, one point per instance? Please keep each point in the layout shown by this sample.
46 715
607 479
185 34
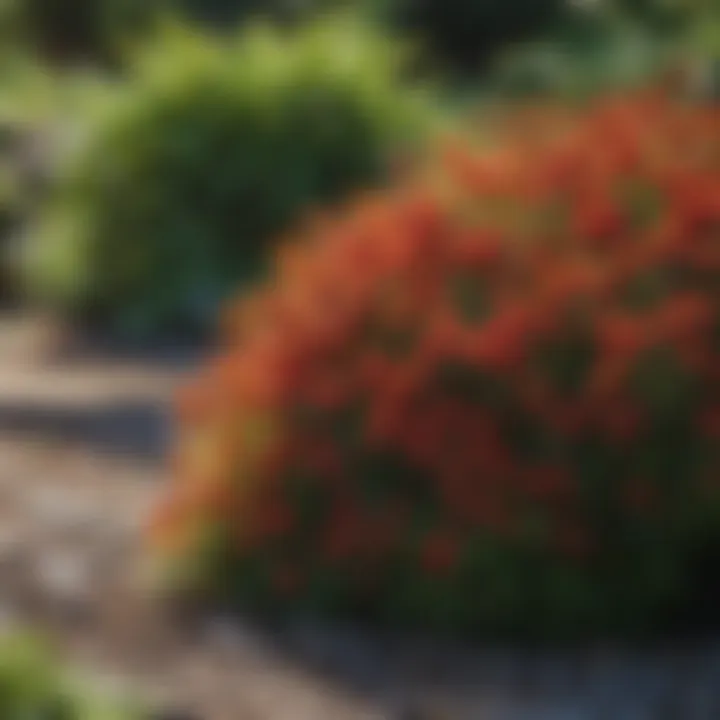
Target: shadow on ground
135 428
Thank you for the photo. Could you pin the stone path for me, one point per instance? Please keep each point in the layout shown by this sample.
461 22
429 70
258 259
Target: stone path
81 445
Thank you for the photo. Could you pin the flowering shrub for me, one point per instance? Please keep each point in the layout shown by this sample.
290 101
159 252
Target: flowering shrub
488 399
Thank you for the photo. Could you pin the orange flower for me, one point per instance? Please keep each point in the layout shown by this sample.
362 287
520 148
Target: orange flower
621 421
215 498
622 336
323 457
384 421
503 341
569 418
171 526
597 220
569 282
479 249
424 216
328 392
345 534
194 402
683 317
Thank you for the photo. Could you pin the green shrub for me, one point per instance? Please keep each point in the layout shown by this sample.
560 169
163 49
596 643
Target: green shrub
33 686
465 37
607 47
207 153
596 53
10 209
667 16
489 400
38 111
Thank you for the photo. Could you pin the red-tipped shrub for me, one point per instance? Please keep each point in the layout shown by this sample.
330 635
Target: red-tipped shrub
490 399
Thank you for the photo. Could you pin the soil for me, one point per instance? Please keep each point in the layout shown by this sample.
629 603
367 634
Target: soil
82 440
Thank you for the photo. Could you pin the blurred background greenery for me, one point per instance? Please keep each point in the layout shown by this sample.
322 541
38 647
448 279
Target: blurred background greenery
150 150
32 685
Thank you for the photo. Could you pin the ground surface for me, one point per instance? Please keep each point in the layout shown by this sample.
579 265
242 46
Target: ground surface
81 446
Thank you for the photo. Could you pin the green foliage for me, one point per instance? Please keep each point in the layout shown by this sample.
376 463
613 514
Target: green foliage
32 686
10 209
462 35
466 37
39 111
608 47
667 16
598 51
207 153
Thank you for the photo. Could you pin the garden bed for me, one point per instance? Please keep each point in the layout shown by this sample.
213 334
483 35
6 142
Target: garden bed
78 473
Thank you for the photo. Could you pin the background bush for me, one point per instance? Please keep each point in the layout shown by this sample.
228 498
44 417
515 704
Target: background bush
463 38
78 30
667 16
604 47
459 36
205 154
601 50
101 30
39 113
227 13
462 35
10 205
488 400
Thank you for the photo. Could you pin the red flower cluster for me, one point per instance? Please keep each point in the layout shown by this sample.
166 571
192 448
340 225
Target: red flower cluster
515 355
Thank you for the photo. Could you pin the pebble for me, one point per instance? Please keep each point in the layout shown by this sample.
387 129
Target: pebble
65 576
60 510
230 637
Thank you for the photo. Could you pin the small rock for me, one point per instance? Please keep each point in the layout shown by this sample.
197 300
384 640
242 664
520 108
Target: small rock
62 510
65 576
313 641
407 706
229 636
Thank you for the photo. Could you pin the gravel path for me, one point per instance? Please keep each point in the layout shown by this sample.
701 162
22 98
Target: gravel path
81 447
